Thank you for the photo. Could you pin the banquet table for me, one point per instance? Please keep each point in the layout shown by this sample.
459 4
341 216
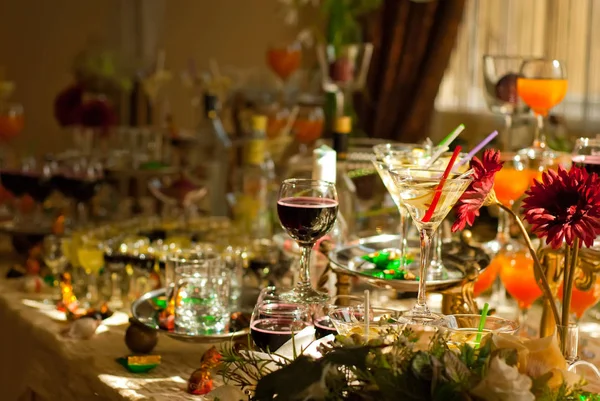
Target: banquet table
38 363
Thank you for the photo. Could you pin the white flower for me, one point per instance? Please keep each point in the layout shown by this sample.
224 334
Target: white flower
504 383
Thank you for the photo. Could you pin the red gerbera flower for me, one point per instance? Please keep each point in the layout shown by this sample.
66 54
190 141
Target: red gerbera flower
565 205
467 207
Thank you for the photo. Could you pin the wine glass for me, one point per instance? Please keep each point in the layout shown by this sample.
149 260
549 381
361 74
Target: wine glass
55 259
500 75
11 125
542 84
284 60
428 200
307 211
517 275
586 154
275 320
90 253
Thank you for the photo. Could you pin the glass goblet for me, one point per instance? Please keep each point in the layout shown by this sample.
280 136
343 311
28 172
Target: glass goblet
586 154
542 84
307 211
500 73
428 200
275 320
56 260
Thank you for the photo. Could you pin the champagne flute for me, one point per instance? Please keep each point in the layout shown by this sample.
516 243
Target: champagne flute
307 211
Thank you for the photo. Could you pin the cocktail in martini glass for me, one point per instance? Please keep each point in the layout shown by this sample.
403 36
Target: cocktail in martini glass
428 199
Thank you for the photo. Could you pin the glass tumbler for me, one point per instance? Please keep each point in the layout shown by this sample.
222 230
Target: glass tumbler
200 294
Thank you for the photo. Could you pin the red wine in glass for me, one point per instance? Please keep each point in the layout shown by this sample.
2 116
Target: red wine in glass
324 327
11 180
271 334
306 219
590 163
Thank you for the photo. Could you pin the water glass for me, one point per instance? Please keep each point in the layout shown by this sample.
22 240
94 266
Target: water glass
200 293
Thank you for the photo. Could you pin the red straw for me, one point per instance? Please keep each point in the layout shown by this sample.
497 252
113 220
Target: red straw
438 190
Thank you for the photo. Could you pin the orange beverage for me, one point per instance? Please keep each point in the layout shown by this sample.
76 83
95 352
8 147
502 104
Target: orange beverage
308 130
581 301
486 279
518 278
541 94
284 61
275 125
11 126
510 184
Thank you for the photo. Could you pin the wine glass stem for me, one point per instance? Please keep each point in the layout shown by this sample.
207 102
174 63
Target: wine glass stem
503 233
421 305
305 266
539 138
404 227
506 142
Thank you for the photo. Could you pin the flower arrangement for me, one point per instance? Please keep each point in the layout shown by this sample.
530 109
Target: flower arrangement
564 207
90 100
397 367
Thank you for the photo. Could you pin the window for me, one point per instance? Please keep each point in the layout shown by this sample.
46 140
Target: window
561 29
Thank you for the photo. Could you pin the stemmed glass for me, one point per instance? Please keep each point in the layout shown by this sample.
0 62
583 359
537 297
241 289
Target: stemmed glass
307 211
56 260
428 200
500 75
586 154
284 61
542 84
275 320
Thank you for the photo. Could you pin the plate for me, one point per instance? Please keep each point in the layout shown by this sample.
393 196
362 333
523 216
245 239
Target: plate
145 310
461 260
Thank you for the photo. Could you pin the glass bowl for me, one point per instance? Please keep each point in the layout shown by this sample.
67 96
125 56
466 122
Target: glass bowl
463 328
349 320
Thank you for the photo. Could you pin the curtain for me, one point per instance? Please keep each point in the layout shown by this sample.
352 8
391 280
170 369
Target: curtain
412 42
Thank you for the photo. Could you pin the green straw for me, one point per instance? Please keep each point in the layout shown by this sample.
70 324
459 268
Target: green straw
451 136
484 313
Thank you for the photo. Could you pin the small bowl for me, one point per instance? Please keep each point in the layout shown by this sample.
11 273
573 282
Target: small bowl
464 328
350 320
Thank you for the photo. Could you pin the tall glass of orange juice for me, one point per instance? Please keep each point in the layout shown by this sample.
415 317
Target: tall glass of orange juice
582 300
542 84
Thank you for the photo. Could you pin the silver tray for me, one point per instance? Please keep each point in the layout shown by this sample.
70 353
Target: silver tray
145 311
461 260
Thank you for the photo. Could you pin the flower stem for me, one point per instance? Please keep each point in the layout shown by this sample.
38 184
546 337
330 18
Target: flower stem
536 262
569 278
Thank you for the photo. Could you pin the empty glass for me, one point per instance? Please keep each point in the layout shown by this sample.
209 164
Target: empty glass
200 294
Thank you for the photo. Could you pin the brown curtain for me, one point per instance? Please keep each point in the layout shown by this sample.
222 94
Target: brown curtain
413 42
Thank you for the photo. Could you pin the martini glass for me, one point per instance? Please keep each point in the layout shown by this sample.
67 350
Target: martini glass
428 200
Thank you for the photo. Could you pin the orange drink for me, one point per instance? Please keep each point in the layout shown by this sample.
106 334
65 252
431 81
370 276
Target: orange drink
308 130
486 279
510 184
284 61
541 94
581 301
518 277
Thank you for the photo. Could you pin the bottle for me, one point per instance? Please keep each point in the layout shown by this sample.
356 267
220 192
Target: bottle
214 148
345 187
255 197
324 168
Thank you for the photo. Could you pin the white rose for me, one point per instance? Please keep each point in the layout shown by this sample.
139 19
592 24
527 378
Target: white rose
504 383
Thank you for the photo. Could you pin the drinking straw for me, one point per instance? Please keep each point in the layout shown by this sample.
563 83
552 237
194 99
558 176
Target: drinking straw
290 122
367 310
484 313
477 148
438 190
451 136
444 145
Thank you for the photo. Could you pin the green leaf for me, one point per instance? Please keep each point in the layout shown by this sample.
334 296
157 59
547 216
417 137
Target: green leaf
349 356
455 369
290 380
421 366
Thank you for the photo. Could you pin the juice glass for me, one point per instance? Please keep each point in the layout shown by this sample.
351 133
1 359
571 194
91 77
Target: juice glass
284 60
517 275
542 84
582 300
90 254
465 329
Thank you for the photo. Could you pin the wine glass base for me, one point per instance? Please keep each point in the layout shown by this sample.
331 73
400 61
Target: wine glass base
413 318
305 295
